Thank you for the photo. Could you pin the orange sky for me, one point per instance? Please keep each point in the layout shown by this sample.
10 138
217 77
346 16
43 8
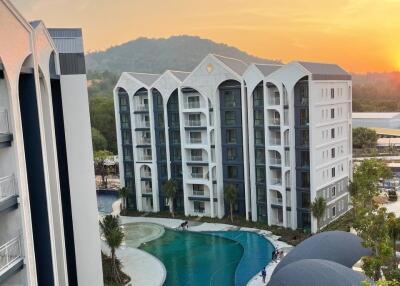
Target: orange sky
360 35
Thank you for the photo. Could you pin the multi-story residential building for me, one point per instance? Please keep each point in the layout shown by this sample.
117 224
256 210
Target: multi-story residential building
48 217
280 134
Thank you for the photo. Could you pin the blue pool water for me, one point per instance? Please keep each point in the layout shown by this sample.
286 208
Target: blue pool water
105 199
215 258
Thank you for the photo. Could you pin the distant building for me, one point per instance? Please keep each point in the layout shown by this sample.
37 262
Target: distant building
387 132
389 120
49 232
280 134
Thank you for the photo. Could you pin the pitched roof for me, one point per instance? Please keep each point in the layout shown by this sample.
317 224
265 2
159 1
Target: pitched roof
35 23
236 65
321 71
146 78
267 69
339 246
316 272
67 40
180 74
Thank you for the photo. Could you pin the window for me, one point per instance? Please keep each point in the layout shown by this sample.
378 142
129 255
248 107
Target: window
160 119
231 136
231 154
196 155
260 156
332 113
305 180
229 99
259 137
198 190
193 102
174 119
305 200
258 118
194 119
304 137
332 93
232 172
333 211
175 137
333 191
333 153
304 119
195 137
333 172
230 118
333 133
260 174
198 207
304 158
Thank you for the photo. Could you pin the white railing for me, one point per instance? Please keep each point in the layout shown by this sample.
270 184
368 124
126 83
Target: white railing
10 252
142 107
196 158
274 100
145 175
8 187
274 121
145 157
275 141
193 105
276 200
147 190
143 124
144 140
276 181
197 175
199 193
275 161
193 123
4 127
195 140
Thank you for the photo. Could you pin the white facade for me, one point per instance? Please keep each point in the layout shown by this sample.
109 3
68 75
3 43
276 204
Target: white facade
259 104
35 243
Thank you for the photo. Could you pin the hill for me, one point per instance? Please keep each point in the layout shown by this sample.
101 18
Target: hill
157 55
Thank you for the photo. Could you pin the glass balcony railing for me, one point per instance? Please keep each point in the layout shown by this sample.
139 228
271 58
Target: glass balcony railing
276 181
144 141
145 174
196 158
142 107
4 127
193 105
275 141
273 121
7 187
10 252
193 123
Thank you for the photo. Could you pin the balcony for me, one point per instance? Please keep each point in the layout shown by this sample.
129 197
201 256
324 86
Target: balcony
142 107
274 100
275 162
275 141
143 124
145 175
193 123
192 105
275 181
147 190
196 158
8 193
199 175
145 157
10 258
144 141
276 200
274 121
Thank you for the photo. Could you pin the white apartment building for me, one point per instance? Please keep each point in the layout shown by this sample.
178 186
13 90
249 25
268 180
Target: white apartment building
280 134
49 231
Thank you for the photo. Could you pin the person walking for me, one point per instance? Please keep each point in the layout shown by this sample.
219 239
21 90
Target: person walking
263 274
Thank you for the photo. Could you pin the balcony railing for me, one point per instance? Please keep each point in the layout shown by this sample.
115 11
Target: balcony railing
7 187
196 158
200 175
195 140
4 127
276 200
142 107
274 121
199 193
147 190
10 252
145 157
192 105
275 161
276 181
275 141
193 123
143 124
145 174
144 141
274 100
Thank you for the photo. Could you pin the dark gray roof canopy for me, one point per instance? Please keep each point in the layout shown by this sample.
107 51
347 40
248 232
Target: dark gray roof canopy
322 71
338 246
316 272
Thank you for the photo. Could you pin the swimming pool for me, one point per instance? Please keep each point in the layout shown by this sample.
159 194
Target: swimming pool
105 199
210 258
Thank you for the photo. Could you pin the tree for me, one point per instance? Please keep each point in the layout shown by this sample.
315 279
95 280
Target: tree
100 168
123 194
318 208
170 191
103 119
371 221
230 192
394 233
364 138
114 237
98 140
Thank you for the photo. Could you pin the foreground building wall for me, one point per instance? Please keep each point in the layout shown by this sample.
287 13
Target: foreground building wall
281 135
46 232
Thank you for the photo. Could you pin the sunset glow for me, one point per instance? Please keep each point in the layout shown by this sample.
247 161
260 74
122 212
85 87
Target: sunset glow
360 35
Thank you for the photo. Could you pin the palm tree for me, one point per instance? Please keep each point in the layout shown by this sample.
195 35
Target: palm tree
123 194
169 188
114 236
230 192
394 232
318 208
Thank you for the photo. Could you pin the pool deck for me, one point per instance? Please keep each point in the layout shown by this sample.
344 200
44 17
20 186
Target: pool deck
148 270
